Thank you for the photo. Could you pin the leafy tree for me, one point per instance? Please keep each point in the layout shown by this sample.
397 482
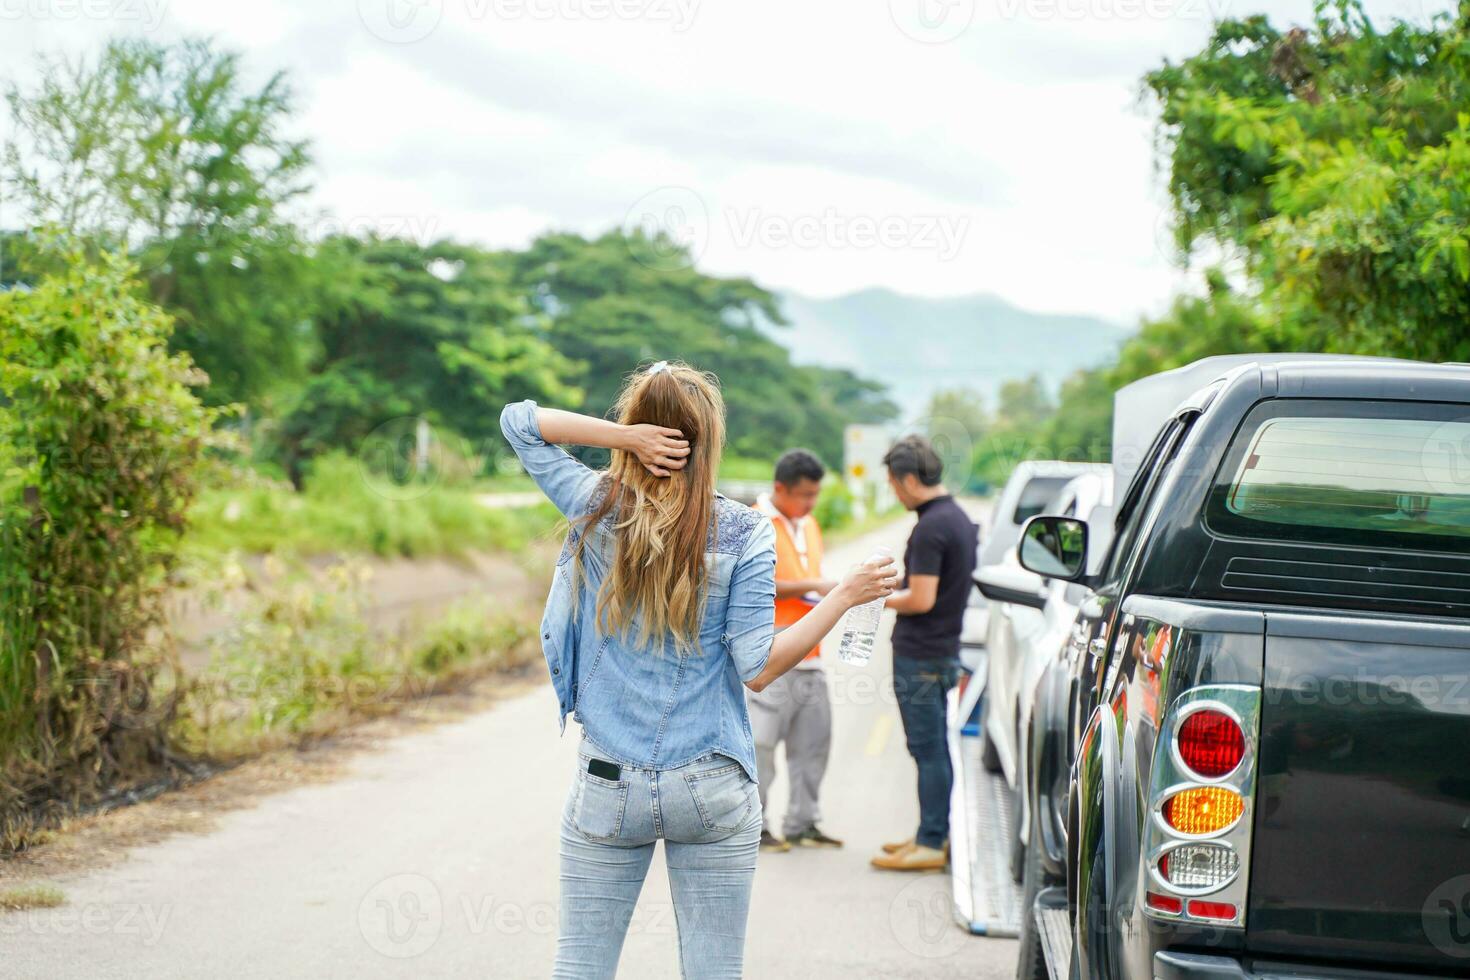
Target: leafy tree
1022 405
166 152
1081 429
835 398
1331 163
617 301
964 407
436 331
1014 433
1332 159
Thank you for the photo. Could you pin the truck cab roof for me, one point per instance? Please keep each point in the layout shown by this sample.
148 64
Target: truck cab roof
1140 409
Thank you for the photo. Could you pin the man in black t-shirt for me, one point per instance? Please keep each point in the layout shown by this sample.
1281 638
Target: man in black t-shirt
939 563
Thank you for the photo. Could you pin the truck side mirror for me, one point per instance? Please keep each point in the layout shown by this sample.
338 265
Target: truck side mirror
1054 547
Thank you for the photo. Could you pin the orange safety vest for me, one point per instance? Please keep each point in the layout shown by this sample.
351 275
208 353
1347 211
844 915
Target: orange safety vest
790 567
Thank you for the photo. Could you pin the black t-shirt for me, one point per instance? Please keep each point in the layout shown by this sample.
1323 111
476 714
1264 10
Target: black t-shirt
942 543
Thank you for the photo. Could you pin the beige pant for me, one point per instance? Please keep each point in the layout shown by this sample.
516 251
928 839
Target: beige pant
795 709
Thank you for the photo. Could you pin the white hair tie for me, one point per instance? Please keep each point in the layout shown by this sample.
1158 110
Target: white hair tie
660 366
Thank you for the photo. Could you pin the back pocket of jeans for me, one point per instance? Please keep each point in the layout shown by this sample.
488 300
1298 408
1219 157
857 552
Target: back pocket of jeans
722 796
600 807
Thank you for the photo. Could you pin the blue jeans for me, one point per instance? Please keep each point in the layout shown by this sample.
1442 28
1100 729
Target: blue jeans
709 816
921 688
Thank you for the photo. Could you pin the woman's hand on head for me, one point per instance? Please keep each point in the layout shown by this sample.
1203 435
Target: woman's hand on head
660 450
875 579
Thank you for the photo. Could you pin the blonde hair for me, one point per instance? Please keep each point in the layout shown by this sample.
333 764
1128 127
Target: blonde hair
662 524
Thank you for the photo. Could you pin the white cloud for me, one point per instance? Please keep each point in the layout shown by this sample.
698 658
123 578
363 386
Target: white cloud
821 138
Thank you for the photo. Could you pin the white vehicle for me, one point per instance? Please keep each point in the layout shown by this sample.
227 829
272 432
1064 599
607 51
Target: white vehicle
1032 621
1031 486
1015 597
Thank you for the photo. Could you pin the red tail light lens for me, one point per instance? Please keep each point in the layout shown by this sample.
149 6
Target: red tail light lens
1211 743
1164 903
1211 910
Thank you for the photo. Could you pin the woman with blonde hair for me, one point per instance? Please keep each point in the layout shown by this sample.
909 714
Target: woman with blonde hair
660 612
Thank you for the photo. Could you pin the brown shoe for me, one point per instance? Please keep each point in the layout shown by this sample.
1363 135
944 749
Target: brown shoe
770 842
903 845
915 858
812 837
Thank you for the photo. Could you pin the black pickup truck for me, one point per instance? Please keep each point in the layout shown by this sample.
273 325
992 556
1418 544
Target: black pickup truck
1265 717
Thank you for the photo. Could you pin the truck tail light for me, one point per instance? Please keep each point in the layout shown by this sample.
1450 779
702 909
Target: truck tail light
1211 910
1198 843
1211 743
1203 810
1164 903
1199 866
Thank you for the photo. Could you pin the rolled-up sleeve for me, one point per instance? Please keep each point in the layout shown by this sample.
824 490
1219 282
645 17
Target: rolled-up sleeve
750 618
566 482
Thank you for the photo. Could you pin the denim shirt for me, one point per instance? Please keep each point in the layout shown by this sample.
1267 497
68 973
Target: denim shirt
652 705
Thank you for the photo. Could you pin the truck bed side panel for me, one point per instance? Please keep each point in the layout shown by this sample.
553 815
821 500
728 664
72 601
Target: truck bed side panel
1363 799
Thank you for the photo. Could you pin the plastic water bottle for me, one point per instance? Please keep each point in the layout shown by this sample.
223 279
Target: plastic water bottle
860 626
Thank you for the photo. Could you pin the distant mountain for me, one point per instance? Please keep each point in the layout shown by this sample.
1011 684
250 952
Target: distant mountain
916 345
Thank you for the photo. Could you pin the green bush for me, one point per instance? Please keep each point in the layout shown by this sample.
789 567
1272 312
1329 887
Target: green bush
102 437
347 509
834 509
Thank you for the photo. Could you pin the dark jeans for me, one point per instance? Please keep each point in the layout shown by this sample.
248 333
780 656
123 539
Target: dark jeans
920 687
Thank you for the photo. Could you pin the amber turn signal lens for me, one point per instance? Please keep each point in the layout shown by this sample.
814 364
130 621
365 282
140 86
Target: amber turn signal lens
1203 810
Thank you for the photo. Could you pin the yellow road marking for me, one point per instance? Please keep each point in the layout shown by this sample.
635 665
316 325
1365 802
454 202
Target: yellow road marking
878 737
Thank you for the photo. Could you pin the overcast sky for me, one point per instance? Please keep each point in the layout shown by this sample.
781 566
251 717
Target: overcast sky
935 147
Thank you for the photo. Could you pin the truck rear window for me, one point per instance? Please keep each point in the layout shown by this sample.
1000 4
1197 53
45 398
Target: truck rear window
1395 473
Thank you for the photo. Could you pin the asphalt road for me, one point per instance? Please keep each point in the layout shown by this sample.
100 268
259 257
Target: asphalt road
437 857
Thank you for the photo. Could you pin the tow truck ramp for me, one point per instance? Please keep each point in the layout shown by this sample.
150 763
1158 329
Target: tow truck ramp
982 820
987 901
1055 930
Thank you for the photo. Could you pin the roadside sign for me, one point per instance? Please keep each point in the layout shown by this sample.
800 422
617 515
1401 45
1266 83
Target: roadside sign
863 447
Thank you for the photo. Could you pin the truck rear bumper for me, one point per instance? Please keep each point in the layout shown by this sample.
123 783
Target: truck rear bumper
1184 966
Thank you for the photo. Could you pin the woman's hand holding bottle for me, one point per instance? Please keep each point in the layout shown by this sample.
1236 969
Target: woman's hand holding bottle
875 578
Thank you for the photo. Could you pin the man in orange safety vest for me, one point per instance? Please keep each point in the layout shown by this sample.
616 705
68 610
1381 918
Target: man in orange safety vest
795 708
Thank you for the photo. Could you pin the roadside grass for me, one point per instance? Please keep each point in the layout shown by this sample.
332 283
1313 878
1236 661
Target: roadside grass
23 897
345 511
301 662
745 468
